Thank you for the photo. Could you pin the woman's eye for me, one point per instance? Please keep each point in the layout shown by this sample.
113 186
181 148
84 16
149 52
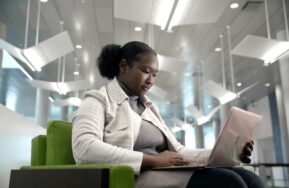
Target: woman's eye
146 71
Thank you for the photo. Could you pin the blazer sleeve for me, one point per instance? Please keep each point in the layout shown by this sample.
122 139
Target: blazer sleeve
87 138
196 157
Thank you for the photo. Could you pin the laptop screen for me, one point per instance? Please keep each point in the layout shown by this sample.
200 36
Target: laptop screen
237 130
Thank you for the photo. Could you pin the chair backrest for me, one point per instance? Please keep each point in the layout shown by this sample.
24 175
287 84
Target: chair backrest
58 143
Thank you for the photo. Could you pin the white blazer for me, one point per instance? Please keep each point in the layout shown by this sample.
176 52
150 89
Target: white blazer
105 129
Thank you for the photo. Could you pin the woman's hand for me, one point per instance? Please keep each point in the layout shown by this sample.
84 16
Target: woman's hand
168 158
164 159
247 152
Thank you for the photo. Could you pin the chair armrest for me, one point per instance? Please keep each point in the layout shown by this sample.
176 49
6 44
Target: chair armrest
38 150
119 175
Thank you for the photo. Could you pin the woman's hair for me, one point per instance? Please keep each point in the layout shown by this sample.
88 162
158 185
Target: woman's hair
112 54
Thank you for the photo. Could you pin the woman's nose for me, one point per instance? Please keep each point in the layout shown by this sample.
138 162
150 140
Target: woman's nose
150 79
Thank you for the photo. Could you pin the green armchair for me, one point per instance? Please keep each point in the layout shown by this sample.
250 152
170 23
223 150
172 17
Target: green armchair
52 164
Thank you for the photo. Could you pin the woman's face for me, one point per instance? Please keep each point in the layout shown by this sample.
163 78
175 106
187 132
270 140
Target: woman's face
141 76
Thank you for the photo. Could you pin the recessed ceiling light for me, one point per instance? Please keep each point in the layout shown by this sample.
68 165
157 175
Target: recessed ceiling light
267 84
234 5
78 46
137 28
44 1
239 84
76 73
218 49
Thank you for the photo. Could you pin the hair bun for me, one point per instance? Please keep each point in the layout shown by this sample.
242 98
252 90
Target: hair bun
108 60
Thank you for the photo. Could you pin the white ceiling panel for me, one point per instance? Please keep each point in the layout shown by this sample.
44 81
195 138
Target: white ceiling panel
164 43
103 3
181 40
104 17
156 36
171 65
261 48
206 11
106 38
64 8
137 35
51 17
122 34
129 10
198 35
85 13
91 39
212 38
95 23
241 22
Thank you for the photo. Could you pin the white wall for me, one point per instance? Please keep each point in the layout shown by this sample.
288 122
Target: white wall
262 107
16 133
263 134
264 143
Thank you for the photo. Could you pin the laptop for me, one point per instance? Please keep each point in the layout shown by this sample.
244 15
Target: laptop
237 130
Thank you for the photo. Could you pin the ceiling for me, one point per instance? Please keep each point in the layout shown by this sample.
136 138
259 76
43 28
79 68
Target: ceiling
95 23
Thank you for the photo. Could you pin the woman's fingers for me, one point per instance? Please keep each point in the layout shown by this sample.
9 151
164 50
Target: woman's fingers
248 148
247 151
245 159
250 143
179 162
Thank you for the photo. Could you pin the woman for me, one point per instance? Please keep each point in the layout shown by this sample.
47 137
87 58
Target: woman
118 124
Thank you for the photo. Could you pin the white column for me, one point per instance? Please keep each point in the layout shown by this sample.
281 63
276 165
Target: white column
216 127
283 99
283 122
199 133
3 29
224 111
64 113
2 89
42 107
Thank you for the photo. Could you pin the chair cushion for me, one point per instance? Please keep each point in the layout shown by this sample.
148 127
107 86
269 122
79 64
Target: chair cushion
59 149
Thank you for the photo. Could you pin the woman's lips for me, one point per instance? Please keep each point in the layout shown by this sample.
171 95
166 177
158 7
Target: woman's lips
145 88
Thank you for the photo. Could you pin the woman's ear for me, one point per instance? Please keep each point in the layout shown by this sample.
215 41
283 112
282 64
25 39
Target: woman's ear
123 65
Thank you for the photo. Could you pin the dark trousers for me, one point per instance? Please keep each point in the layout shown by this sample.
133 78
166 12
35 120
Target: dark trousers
225 177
